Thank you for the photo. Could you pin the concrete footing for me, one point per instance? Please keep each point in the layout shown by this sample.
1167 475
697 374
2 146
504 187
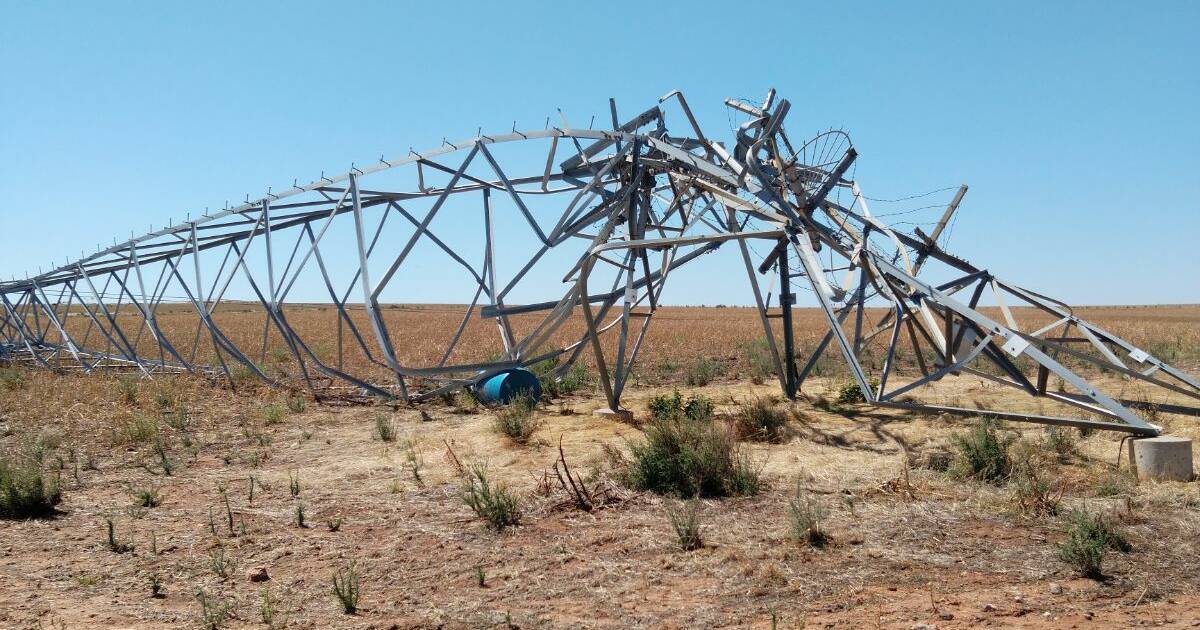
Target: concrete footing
620 415
1162 458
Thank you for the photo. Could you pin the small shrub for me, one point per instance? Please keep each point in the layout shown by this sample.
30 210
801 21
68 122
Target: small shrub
667 367
296 403
413 461
759 359
664 407
1114 484
156 587
686 522
1033 493
127 386
1107 531
242 374
300 522
464 401
43 444
572 379
140 429
517 420
267 609
1089 537
281 354
220 565
165 399
673 407
982 454
114 545
687 454
148 497
938 460
294 483
385 427
346 587
12 378
26 491
850 393
177 418
228 510
762 420
273 413
164 461
492 502
805 520
87 580
701 372
1061 442
213 610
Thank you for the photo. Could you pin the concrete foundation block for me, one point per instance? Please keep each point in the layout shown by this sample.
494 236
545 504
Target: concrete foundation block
620 415
1162 458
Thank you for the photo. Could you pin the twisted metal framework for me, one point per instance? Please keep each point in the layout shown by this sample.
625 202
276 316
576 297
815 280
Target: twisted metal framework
621 210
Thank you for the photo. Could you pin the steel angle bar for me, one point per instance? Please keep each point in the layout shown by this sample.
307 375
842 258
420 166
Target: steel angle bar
639 121
421 228
1023 417
1050 346
990 327
27 338
66 338
489 285
343 315
513 194
323 182
372 307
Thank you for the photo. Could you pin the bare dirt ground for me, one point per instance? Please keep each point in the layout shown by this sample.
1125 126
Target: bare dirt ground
911 547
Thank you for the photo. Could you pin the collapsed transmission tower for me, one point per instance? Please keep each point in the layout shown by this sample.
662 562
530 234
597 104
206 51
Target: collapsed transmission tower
613 213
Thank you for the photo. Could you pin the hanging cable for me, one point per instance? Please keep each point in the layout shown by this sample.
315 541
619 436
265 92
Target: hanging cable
918 196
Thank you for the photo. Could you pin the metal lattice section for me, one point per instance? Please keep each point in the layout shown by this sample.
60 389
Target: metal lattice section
613 213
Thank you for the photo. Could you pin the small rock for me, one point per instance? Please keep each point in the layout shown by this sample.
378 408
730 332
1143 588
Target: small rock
1056 588
989 608
258 574
946 616
1018 599
923 626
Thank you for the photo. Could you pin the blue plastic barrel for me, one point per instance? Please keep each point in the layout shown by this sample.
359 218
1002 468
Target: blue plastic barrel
504 386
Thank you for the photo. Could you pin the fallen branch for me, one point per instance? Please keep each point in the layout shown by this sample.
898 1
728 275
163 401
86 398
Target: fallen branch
452 460
580 493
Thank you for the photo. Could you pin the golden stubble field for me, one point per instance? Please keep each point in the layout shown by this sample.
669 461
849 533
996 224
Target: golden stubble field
677 337
909 546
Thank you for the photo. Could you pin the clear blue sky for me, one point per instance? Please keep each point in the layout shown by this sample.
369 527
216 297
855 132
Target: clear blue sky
1075 124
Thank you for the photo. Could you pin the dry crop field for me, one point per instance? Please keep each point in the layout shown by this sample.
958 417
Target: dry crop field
183 504
712 340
